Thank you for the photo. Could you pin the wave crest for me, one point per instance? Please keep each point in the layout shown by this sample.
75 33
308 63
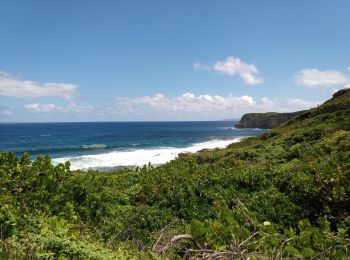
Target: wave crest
94 146
139 157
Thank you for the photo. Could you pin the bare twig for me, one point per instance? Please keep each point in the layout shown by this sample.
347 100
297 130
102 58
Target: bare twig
253 235
154 248
281 247
241 205
173 240
329 248
156 244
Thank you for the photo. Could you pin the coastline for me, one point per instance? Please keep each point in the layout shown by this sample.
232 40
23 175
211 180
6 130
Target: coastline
140 157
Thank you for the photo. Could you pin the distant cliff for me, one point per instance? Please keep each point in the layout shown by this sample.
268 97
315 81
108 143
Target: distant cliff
265 120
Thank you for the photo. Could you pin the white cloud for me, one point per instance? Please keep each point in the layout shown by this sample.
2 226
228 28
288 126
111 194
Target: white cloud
187 102
14 87
302 103
191 106
187 106
267 103
234 66
37 108
72 107
321 79
5 111
201 66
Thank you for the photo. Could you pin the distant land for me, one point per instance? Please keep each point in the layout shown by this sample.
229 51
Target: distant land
265 120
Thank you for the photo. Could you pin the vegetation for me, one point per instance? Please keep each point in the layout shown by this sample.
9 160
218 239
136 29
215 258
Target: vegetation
266 120
284 194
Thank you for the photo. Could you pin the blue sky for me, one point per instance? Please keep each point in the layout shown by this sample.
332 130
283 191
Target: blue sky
169 60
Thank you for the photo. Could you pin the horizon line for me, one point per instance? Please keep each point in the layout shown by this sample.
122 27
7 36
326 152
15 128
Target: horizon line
140 121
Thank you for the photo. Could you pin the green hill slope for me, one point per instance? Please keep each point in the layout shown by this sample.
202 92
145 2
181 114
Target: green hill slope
285 194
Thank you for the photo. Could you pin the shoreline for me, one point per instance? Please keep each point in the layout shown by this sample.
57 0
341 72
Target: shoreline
138 158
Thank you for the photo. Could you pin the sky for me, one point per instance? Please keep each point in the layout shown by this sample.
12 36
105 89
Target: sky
90 60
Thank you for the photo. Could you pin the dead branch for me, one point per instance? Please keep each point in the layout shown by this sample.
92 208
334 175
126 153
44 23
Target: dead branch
171 243
154 248
329 248
250 237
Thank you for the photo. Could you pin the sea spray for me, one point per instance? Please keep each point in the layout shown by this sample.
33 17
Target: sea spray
139 157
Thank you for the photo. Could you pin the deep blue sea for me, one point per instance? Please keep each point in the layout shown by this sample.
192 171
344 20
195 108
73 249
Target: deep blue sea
113 144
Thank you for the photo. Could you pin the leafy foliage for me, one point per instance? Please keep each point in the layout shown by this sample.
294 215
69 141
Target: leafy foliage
238 234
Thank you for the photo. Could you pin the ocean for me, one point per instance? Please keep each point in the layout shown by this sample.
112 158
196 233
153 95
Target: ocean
104 145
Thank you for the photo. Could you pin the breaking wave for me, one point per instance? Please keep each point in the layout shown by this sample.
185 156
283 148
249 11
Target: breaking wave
138 157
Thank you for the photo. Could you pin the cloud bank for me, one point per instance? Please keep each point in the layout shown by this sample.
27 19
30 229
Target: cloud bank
12 86
315 78
40 108
207 106
187 106
234 66
45 108
188 102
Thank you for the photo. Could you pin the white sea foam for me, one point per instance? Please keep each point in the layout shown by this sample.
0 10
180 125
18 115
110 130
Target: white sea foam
94 146
139 157
234 128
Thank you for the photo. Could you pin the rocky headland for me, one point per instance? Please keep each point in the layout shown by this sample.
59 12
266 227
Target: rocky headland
265 120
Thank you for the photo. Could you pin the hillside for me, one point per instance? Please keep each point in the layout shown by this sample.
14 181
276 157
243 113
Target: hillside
265 120
284 194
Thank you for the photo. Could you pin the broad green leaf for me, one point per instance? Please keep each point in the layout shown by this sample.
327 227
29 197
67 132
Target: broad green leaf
293 251
227 215
198 229
307 252
303 224
325 225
